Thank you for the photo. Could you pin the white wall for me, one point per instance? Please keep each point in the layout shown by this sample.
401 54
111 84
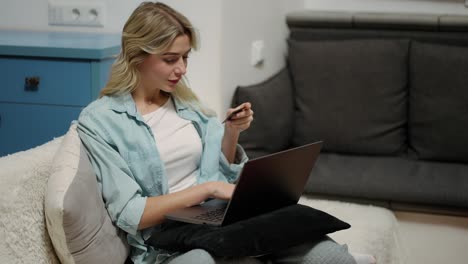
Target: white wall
411 6
226 28
243 22
204 71
204 68
32 15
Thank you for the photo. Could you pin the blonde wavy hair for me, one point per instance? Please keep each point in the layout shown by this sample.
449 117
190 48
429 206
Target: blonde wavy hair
151 29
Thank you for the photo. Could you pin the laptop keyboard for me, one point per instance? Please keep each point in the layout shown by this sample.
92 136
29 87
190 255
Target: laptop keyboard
214 215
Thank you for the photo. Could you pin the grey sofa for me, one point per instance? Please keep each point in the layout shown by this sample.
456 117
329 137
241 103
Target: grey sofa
388 95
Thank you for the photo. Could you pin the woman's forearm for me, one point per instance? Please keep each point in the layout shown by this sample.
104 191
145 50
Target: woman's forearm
157 207
236 124
229 145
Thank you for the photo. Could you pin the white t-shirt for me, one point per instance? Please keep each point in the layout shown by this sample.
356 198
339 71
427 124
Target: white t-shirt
178 143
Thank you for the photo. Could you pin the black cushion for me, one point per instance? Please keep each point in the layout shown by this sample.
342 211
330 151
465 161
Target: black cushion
264 234
351 94
438 127
272 102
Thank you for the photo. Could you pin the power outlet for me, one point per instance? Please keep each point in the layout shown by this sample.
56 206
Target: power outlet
91 14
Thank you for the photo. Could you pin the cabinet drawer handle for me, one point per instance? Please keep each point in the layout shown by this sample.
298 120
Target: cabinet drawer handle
0 121
32 83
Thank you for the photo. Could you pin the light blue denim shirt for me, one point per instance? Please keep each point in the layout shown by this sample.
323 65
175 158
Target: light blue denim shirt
128 167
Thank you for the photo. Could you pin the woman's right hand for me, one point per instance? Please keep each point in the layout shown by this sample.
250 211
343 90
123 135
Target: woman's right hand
157 207
220 190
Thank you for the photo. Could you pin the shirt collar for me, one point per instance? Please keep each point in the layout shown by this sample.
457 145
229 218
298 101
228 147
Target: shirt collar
125 103
179 105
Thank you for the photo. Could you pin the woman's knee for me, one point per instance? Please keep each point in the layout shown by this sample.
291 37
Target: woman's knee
322 251
196 256
328 252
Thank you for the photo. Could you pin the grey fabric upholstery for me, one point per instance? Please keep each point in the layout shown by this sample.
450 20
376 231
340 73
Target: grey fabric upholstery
351 94
438 127
312 18
271 100
91 236
390 179
453 23
77 220
309 34
376 20
395 21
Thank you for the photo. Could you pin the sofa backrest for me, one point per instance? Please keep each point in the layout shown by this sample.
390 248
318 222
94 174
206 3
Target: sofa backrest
387 93
393 83
317 25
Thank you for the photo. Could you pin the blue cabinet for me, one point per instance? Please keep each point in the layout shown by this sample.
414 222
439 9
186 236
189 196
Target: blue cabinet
46 78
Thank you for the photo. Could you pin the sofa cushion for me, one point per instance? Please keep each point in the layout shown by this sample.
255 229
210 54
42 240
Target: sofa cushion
351 94
77 221
272 102
392 179
438 127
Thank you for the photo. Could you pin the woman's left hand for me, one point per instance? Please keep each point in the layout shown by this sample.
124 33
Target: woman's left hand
240 121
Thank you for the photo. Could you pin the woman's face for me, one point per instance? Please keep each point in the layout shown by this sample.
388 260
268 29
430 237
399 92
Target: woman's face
164 71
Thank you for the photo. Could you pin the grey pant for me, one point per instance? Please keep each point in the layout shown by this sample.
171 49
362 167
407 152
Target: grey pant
325 251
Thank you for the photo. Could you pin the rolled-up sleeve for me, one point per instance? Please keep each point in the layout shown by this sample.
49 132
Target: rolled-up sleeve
122 195
232 170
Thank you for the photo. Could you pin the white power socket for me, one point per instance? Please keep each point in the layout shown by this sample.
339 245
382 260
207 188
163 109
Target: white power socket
257 55
89 14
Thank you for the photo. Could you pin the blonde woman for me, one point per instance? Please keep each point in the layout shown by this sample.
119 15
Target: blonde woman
155 148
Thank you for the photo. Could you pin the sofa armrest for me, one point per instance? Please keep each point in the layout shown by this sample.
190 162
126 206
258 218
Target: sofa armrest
23 177
273 105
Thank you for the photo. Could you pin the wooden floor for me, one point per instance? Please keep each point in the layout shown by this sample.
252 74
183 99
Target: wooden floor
433 239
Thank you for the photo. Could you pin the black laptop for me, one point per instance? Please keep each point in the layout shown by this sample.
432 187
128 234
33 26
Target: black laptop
265 184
